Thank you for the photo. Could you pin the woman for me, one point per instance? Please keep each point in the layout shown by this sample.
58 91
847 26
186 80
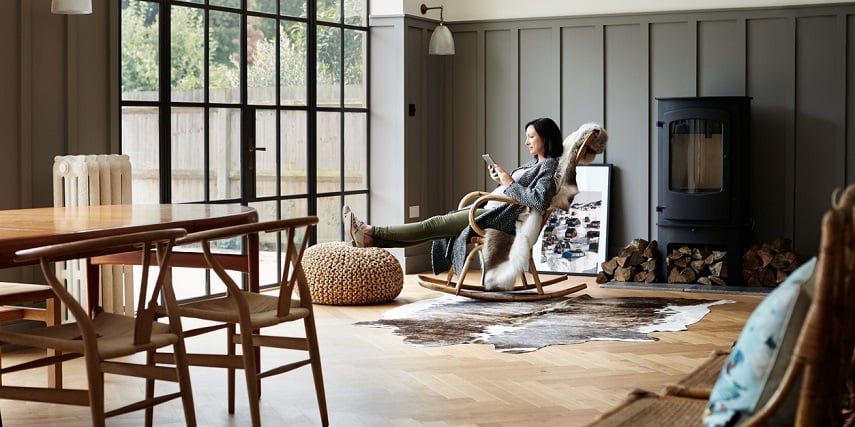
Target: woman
532 184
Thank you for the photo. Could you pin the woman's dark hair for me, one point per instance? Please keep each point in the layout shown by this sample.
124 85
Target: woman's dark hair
550 134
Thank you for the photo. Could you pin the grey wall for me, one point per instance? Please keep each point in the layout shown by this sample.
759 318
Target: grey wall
57 98
794 62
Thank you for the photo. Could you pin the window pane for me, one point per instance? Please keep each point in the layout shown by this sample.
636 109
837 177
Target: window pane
140 63
268 246
354 13
226 3
261 60
329 219
329 10
292 71
355 151
265 160
266 6
293 208
224 178
329 66
139 124
188 163
293 154
186 53
295 8
329 152
355 88
224 59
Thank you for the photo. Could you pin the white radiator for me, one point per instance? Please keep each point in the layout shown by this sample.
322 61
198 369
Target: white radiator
85 180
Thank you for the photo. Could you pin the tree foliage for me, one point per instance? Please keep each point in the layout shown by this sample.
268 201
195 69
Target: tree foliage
140 67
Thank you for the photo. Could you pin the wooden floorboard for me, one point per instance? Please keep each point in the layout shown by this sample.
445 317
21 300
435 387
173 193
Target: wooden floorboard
374 379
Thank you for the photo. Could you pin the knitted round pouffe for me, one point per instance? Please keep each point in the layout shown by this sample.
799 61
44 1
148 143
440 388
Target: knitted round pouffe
340 274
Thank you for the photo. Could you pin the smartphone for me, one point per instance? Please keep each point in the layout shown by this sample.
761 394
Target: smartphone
488 159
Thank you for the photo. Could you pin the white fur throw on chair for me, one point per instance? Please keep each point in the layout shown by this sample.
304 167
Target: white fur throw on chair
504 256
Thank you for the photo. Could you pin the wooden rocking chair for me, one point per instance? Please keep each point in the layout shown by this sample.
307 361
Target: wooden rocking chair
521 292
586 142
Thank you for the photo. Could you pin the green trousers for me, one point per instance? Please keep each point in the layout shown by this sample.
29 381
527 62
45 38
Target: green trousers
414 233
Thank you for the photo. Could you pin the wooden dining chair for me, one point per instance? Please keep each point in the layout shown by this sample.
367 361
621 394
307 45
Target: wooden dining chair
17 304
245 314
105 339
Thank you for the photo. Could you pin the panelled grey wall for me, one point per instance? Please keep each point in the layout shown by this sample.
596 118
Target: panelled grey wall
796 64
57 98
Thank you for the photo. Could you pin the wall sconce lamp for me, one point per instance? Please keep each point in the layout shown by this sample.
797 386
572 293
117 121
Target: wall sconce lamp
71 7
441 42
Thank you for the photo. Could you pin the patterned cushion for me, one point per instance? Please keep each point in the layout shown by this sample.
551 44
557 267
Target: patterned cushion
760 356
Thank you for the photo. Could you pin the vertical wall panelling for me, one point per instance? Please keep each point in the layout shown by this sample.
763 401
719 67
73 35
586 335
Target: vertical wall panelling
582 88
414 143
672 74
820 145
433 122
14 63
90 66
850 97
72 114
626 118
500 104
25 144
539 84
770 66
416 131
466 146
721 58
49 127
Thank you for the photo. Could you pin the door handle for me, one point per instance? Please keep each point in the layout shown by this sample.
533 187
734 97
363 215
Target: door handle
252 150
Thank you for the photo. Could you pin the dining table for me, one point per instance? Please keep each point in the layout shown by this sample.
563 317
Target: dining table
34 227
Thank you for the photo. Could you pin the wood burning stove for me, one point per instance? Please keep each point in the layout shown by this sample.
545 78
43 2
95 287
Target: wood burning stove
704 177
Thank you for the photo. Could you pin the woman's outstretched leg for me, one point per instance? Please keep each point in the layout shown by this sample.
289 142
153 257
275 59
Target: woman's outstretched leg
361 234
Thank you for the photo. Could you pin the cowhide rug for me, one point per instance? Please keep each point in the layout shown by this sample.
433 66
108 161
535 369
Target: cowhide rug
518 327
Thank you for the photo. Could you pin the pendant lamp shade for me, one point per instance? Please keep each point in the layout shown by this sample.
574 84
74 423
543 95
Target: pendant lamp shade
71 7
441 42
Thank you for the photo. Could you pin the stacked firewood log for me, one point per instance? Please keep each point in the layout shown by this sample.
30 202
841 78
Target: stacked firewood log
634 263
697 264
768 264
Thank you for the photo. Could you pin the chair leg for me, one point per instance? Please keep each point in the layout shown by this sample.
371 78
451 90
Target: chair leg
149 391
250 371
183 368
96 396
230 350
317 373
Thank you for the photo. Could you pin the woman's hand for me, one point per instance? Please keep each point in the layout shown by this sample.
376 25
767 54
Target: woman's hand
500 175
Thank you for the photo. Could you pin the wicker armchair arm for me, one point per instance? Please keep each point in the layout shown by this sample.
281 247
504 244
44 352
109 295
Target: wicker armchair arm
480 201
469 198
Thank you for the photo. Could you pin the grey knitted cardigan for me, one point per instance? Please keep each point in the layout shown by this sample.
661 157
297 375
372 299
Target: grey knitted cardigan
534 188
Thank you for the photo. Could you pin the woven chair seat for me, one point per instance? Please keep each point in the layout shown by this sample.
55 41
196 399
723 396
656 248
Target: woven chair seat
644 408
340 274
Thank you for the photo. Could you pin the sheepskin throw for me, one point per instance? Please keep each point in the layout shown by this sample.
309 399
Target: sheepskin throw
340 274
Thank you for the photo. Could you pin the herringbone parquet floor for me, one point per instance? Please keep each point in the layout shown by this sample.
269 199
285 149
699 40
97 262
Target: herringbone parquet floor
373 379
